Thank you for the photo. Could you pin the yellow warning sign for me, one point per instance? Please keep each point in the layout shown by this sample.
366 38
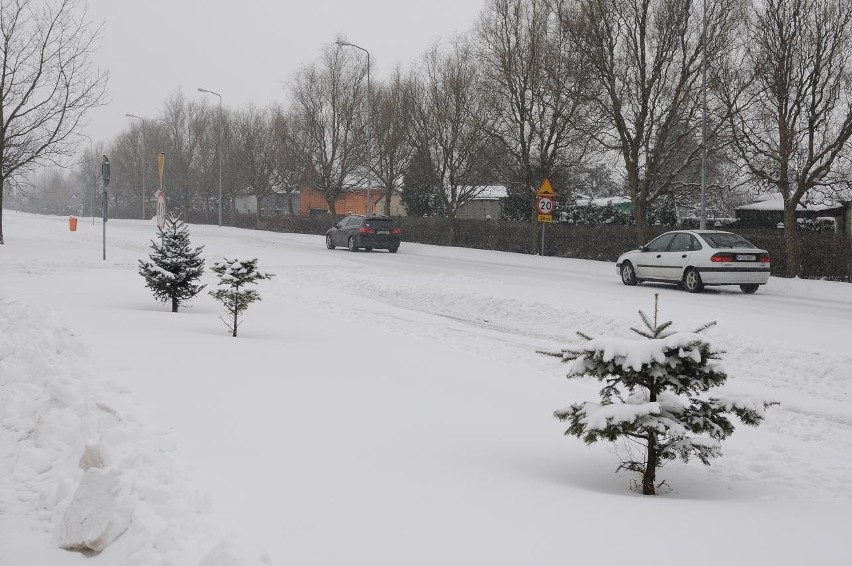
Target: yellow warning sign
547 218
545 189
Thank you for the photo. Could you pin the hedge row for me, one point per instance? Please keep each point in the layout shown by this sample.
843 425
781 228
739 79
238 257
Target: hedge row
824 255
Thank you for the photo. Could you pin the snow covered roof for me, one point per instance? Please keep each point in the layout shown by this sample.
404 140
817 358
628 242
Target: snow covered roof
492 192
604 201
776 203
768 202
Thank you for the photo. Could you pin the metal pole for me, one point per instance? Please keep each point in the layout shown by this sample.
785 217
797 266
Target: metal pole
369 205
542 238
105 203
103 215
369 141
219 146
144 190
702 223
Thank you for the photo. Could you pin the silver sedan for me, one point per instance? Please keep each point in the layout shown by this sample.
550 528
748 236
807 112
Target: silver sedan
695 258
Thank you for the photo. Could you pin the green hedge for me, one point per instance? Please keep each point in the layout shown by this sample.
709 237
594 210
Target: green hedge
824 255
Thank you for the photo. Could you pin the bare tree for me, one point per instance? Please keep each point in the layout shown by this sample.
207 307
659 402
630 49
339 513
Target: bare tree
286 156
87 176
537 85
327 97
792 101
47 83
253 154
645 58
449 126
182 129
392 150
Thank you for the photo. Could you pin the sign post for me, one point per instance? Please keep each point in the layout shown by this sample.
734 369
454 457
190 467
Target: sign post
161 198
105 203
545 205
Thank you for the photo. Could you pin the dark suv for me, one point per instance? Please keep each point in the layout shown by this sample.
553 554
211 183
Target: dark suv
369 232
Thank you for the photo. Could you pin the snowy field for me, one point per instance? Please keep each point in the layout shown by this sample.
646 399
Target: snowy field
390 409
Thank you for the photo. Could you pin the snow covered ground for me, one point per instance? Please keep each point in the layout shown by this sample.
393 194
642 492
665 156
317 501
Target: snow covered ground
389 409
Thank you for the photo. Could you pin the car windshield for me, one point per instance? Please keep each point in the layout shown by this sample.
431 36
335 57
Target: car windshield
379 223
726 240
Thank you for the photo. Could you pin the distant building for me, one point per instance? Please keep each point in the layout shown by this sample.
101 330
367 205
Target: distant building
397 208
768 212
487 205
349 202
276 204
621 204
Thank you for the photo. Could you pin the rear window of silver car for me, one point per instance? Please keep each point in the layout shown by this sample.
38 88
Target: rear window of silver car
721 240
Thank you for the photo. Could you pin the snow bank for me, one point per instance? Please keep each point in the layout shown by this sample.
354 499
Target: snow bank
94 478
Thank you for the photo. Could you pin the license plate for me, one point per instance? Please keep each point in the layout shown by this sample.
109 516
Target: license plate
382 232
746 257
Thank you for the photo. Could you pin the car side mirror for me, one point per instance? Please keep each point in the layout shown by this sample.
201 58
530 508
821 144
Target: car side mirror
337 225
643 248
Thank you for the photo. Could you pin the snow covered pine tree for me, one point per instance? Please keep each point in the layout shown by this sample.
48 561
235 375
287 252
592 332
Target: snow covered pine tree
174 267
650 397
234 277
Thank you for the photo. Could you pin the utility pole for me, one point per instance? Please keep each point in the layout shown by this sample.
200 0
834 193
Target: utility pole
219 147
105 203
368 126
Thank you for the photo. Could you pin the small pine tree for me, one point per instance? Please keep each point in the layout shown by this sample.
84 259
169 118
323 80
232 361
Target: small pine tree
651 397
234 277
175 266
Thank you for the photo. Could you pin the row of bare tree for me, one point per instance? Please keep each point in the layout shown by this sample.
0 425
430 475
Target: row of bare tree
537 89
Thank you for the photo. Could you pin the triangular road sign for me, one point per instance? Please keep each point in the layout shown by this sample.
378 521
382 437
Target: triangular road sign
545 189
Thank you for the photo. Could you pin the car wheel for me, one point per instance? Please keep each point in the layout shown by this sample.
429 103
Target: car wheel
328 243
628 274
749 288
352 246
369 249
692 281
393 249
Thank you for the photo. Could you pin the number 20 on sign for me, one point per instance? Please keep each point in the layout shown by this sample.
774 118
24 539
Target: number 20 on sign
545 209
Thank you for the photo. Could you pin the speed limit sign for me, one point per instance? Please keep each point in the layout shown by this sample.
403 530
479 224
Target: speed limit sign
161 209
545 205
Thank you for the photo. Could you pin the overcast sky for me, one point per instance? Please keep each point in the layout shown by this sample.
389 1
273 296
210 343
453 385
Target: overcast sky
248 50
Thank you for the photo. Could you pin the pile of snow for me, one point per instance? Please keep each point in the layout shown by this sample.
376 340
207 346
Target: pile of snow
75 454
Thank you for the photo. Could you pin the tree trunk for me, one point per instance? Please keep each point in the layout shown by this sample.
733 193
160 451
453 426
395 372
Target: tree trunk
258 220
640 215
388 195
174 304
649 478
451 234
791 239
235 324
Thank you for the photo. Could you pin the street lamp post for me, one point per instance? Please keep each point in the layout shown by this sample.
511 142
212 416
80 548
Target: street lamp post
218 146
142 160
702 222
368 124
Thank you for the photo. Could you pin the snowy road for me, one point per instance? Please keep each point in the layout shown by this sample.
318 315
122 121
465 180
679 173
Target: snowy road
390 408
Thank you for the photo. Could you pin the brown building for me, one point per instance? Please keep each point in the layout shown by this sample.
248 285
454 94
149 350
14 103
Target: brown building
350 202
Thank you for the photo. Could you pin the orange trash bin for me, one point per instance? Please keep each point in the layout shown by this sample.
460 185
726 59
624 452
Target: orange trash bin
72 223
